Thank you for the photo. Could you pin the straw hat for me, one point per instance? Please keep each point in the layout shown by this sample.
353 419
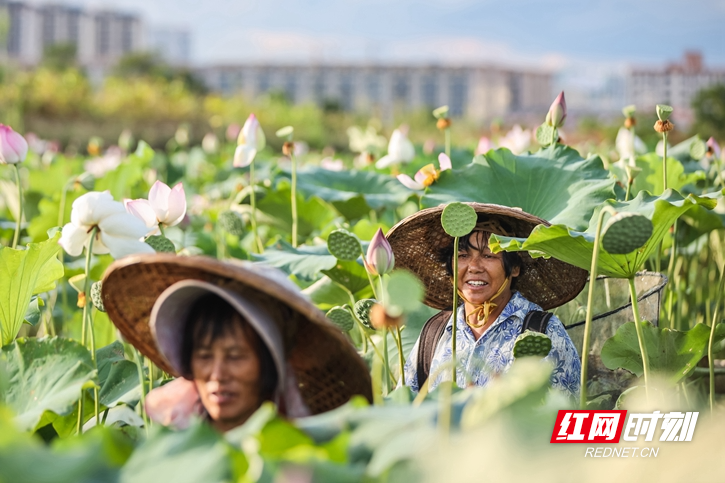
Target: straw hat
418 240
326 366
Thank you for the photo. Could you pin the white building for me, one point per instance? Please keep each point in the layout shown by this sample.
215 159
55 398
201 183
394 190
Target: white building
675 85
172 44
100 36
478 93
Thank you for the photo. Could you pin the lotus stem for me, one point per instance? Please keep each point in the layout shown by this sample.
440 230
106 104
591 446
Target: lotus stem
370 277
141 379
401 361
455 310
710 355
16 236
253 201
640 335
448 141
294 200
629 188
670 273
79 422
87 322
386 362
590 302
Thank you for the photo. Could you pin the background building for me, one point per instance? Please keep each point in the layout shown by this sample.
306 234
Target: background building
676 85
479 93
172 44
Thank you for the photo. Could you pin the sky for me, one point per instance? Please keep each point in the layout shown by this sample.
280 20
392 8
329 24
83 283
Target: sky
591 38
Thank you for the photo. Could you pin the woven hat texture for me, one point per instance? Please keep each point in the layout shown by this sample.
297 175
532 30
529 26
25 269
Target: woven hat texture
327 367
418 241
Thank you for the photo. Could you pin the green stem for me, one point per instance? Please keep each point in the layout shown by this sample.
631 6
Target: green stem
590 303
455 309
253 200
370 277
629 188
710 355
79 422
401 361
387 375
670 272
640 335
141 379
161 229
448 141
664 159
87 322
294 200
16 237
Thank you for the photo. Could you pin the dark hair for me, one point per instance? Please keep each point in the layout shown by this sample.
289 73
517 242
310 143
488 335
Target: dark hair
211 317
511 260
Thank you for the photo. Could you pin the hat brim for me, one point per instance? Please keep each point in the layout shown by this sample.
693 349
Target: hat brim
327 367
418 241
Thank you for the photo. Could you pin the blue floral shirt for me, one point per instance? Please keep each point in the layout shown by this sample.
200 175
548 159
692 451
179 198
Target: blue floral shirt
481 360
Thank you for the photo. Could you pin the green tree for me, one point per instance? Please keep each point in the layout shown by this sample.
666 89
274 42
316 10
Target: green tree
59 56
709 107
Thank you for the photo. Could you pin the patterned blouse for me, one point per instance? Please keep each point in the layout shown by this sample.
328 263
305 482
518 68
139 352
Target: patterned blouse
480 360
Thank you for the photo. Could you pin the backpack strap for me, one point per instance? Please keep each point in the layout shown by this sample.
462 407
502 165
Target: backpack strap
537 321
427 342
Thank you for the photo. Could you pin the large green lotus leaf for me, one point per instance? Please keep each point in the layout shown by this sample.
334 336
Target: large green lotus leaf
378 191
45 375
24 273
672 353
313 215
576 247
196 454
555 183
305 262
651 179
326 294
349 274
117 376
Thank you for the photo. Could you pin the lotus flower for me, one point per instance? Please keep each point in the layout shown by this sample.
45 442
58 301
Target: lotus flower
332 164
380 258
174 404
118 233
623 144
210 143
400 149
484 146
165 206
713 147
517 140
557 112
233 131
13 146
111 160
251 140
426 175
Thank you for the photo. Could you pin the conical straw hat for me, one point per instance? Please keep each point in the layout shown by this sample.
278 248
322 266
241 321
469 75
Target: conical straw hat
327 367
418 241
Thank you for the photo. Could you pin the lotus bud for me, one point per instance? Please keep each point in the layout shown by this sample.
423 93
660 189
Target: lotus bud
713 148
380 258
557 112
13 146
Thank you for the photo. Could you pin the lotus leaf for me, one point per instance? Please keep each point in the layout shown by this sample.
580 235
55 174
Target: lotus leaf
305 262
555 183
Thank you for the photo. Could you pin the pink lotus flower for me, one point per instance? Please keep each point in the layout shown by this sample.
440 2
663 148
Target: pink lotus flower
713 147
233 131
165 206
251 140
517 140
427 175
380 258
174 404
557 112
484 146
13 146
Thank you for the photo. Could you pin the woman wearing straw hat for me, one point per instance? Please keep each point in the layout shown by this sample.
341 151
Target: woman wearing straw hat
498 292
235 334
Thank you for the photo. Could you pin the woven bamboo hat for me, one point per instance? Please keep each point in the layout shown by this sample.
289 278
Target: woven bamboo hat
326 366
419 240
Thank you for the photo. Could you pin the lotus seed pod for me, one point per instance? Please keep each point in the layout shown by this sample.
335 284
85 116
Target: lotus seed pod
545 133
362 311
96 296
440 112
698 149
231 222
342 318
664 112
443 123
625 233
343 245
629 110
458 219
161 244
532 343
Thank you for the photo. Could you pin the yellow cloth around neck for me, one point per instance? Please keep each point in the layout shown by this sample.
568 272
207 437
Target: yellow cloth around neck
482 311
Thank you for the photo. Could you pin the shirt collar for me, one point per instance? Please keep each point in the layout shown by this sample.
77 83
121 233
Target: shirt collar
518 306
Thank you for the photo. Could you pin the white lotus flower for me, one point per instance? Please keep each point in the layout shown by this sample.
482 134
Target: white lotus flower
118 233
250 141
517 140
427 175
111 160
332 164
165 206
624 144
400 149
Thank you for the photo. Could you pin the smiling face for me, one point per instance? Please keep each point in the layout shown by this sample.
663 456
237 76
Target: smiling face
226 371
481 273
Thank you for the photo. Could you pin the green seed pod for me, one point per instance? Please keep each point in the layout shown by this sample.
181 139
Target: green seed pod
545 133
231 222
161 244
532 343
341 317
625 233
362 311
96 296
664 112
343 245
458 219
